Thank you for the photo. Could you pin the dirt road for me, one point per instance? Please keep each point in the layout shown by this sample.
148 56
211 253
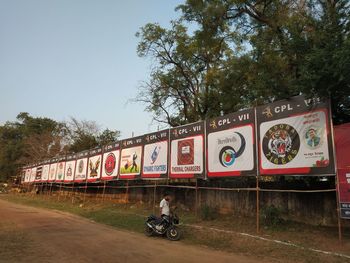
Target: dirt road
30 234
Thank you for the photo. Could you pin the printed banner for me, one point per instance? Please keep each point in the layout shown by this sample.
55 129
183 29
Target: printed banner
32 174
60 169
81 167
95 163
131 156
45 172
70 168
53 169
155 157
295 137
344 192
187 151
38 174
27 175
110 161
231 145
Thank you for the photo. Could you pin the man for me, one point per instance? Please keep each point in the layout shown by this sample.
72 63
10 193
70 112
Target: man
312 139
164 210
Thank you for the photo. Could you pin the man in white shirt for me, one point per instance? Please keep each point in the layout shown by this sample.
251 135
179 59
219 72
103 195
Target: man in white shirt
164 206
164 211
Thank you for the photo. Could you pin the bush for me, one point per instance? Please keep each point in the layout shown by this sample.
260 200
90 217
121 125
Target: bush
209 213
272 215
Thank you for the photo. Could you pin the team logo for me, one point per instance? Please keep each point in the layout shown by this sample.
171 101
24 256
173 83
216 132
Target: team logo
213 124
313 137
110 164
81 166
281 144
229 154
130 163
175 133
69 171
94 168
185 152
267 112
154 155
52 172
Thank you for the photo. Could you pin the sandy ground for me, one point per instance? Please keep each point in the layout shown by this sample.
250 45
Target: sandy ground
39 235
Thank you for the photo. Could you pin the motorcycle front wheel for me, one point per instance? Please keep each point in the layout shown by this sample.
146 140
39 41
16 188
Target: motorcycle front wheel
148 231
173 233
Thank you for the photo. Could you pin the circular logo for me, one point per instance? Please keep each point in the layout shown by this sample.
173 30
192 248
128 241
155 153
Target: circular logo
281 144
81 166
227 156
229 153
110 163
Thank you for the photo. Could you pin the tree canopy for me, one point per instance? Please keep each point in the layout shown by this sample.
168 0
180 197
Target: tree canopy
224 55
31 139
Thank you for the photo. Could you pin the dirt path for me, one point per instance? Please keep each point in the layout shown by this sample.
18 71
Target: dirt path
32 234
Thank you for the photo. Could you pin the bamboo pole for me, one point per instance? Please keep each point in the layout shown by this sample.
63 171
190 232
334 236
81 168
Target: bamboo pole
104 191
85 191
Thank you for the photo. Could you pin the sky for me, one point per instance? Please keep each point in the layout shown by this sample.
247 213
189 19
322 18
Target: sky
77 58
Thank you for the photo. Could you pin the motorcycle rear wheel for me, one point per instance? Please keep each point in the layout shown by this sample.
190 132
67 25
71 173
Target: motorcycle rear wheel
173 233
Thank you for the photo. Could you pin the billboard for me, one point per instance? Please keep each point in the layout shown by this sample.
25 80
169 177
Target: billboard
81 167
130 159
155 155
187 151
53 169
110 160
45 171
231 145
60 169
95 163
27 175
344 192
70 168
295 137
32 174
38 173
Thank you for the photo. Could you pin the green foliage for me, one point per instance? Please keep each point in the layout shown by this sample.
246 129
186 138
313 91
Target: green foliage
107 137
209 213
27 140
239 54
271 216
32 139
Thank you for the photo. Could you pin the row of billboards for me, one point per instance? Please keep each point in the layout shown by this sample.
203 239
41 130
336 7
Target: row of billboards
285 137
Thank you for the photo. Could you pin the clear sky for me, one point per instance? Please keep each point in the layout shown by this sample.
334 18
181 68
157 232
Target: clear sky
62 58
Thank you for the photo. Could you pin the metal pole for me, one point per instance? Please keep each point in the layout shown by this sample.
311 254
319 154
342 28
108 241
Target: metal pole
59 192
336 173
73 193
127 194
257 206
196 200
257 173
154 197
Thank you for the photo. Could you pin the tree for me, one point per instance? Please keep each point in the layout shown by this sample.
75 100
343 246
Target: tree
107 137
84 135
183 83
32 139
246 53
27 140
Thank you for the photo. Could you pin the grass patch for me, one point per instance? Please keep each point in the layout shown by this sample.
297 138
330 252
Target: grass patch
132 216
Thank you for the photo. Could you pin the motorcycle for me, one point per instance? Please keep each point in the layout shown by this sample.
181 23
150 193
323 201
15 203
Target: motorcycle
163 226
